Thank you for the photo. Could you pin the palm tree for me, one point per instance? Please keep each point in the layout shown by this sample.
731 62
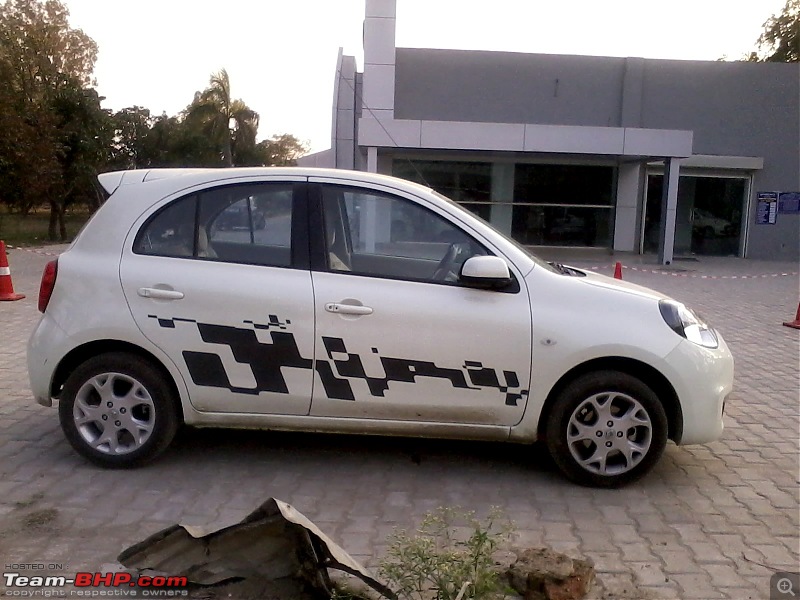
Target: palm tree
229 122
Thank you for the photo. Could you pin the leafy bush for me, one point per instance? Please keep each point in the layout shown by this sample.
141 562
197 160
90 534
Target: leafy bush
449 557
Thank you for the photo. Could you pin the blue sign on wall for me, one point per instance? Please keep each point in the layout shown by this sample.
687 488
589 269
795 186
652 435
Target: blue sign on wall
767 208
789 202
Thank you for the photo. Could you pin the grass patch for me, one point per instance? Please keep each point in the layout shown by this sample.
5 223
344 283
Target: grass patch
31 229
40 519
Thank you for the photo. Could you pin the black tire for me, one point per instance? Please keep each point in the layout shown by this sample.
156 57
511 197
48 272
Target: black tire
131 421
635 423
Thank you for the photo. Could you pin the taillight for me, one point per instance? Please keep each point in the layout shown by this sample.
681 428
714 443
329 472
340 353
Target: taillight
48 283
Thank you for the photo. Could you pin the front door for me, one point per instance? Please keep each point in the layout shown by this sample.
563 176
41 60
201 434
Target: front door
399 338
215 280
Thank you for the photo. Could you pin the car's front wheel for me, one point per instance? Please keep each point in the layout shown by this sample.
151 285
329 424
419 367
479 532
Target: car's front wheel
117 411
606 429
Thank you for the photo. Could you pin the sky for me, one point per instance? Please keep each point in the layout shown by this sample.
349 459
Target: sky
281 54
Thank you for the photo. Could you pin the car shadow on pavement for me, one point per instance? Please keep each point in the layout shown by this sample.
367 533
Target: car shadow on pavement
194 443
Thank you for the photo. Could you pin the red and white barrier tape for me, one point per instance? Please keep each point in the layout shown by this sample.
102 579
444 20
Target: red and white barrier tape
693 275
34 250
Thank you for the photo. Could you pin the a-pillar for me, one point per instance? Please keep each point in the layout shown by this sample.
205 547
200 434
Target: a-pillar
669 206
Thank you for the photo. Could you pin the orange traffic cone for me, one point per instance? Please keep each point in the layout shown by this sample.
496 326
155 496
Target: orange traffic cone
6 287
618 271
796 322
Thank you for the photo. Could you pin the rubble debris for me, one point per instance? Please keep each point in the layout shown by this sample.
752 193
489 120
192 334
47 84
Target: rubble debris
273 543
544 574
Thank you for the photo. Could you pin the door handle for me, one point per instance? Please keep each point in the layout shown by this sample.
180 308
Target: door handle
347 309
159 294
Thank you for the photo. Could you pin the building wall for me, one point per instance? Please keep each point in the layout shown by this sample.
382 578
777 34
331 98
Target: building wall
737 109
505 87
734 109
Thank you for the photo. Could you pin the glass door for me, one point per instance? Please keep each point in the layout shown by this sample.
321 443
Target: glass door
708 220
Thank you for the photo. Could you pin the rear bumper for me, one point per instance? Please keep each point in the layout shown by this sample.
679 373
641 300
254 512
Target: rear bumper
45 339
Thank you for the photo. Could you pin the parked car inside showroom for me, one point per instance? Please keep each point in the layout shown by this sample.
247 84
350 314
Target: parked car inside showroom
325 321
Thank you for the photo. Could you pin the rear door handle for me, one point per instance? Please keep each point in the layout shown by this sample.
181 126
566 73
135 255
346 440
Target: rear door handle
347 309
159 294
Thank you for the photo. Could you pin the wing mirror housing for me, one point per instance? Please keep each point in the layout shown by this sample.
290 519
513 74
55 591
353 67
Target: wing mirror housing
488 272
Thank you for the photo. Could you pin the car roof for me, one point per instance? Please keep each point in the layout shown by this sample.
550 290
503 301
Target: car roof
182 178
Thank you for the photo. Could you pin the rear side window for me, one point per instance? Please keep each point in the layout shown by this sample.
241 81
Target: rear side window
171 231
249 224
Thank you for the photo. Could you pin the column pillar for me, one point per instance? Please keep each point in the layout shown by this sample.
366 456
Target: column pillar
379 59
669 206
626 223
372 159
502 191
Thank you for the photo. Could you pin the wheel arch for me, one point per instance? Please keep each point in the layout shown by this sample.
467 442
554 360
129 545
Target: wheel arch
84 352
635 368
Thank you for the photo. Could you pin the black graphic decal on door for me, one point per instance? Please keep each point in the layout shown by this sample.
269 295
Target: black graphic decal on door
336 374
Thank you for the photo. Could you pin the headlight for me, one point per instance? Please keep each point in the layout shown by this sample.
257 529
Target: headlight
686 323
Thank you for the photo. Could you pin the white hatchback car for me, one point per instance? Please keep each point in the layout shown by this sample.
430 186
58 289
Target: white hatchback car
361 304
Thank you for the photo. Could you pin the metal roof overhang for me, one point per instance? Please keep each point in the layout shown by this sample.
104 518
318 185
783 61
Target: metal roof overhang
525 137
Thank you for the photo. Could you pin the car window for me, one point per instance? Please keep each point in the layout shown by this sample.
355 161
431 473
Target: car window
245 224
371 233
251 224
170 232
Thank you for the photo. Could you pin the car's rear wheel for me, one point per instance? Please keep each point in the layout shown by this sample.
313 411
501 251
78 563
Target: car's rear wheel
606 429
117 410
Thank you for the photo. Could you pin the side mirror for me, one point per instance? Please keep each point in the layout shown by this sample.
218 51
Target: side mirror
490 272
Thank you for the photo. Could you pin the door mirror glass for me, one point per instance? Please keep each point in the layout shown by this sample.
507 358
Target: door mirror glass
485 272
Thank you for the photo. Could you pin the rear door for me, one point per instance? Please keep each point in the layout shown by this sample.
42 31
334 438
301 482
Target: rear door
219 280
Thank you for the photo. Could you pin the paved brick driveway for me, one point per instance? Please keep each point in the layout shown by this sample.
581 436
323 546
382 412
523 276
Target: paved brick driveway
709 522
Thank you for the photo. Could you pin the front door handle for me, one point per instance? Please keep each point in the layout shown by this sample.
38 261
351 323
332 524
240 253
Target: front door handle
347 309
159 294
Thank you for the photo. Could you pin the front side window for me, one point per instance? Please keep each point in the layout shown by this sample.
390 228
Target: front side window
370 233
249 224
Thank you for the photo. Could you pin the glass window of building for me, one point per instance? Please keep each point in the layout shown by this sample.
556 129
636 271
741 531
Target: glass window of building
469 184
563 205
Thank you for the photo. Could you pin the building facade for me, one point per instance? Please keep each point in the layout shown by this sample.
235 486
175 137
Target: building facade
672 157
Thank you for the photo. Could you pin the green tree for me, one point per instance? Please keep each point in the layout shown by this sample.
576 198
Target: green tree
84 136
29 168
780 40
41 48
129 142
281 150
56 137
229 123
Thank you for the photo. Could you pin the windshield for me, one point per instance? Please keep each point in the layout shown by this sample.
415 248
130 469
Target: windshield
538 261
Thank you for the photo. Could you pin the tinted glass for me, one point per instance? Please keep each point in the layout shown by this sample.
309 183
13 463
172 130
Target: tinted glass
250 224
170 232
386 236
246 224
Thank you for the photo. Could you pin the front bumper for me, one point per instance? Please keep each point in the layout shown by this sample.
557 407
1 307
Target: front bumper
703 379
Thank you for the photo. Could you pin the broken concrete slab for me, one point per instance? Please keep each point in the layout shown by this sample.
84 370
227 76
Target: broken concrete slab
275 542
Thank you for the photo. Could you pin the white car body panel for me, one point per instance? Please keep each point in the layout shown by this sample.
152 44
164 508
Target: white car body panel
553 324
432 352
